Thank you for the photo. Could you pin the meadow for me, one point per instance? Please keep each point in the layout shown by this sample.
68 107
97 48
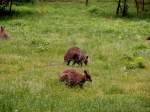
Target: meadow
32 59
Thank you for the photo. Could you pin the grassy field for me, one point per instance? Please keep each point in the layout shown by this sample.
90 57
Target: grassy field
32 59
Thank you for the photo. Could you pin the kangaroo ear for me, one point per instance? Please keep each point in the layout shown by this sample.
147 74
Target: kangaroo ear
148 38
87 57
85 72
2 28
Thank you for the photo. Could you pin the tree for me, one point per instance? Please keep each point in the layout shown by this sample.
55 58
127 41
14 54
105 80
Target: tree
122 8
139 5
86 2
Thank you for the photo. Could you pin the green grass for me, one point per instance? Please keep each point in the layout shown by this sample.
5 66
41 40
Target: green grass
31 60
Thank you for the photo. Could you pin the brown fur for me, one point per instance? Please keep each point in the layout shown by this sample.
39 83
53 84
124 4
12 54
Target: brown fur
73 77
74 54
3 33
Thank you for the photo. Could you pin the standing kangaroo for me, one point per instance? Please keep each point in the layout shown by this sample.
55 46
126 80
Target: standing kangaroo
3 33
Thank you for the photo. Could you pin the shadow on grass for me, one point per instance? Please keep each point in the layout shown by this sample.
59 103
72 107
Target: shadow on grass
96 11
6 15
130 17
134 17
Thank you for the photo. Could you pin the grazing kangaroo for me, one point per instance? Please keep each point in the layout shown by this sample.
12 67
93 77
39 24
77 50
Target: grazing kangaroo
3 33
74 54
72 77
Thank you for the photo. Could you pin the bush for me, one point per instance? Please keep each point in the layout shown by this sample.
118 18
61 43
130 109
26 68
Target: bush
94 10
135 63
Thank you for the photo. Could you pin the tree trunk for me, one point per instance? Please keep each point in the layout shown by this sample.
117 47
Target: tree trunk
125 8
143 5
10 6
137 6
118 8
86 2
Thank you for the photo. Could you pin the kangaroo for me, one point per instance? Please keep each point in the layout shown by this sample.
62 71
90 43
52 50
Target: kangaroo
74 54
3 33
72 77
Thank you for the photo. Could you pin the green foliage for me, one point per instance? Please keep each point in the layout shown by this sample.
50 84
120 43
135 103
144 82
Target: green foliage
94 10
134 62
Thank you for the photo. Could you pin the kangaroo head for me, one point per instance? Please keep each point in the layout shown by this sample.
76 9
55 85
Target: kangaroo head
2 29
3 33
87 76
86 60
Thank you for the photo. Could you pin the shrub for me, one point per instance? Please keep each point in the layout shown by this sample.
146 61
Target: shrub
135 63
94 10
